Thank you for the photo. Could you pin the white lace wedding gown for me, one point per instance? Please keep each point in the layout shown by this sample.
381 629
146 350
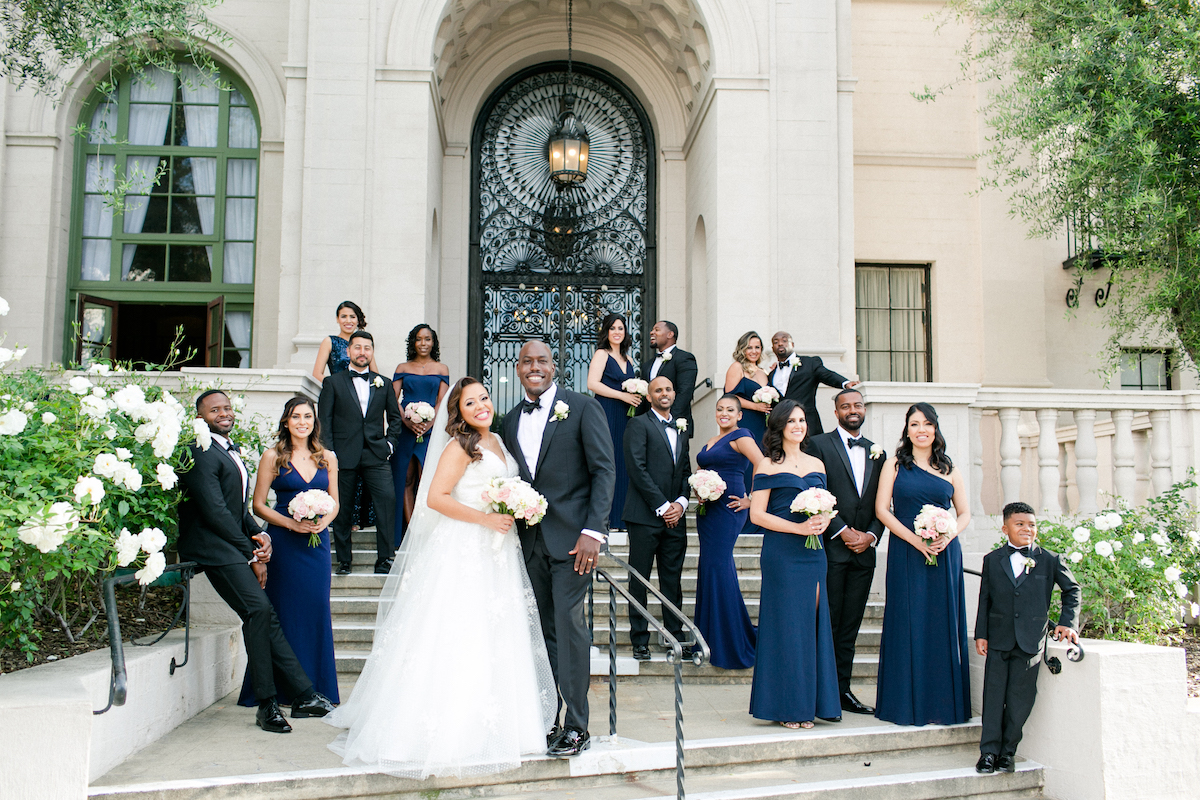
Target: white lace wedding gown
458 682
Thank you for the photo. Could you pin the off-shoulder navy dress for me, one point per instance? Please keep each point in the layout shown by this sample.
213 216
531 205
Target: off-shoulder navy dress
795 677
417 388
924 675
720 610
298 588
617 413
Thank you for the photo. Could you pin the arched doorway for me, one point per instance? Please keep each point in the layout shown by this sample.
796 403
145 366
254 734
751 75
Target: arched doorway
532 277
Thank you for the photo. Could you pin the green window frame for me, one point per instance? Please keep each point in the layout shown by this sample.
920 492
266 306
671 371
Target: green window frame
185 148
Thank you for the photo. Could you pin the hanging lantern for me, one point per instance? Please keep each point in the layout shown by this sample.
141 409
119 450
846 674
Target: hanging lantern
568 151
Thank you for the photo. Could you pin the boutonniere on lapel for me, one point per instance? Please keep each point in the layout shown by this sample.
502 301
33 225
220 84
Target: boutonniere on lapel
378 382
876 451
793 361
561 411
1029 565
666 356
681 425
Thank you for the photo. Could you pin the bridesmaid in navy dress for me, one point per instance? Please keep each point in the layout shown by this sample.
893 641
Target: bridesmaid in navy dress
610 368
420 379
720 610
923 668
299 575
744 377
795 679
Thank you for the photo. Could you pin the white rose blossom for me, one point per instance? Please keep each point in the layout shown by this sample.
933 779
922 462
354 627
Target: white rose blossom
1181 590
1146 562
49 418
105 465
50 527
12 422
1081 534
3 307
128 546
166 476
93 407
89 488
79 385
1076 557
98 369
99 392
6 356
110 433
30 405
155 564
1159 539
152 540
1172 573
131 401
203 434
1139 537
1104 549
16 587
123 454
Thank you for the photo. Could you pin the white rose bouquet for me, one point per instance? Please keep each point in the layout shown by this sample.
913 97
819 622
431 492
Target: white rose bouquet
635 386
932 523
767 394
311 505
814 502
516 498
708 486
419 412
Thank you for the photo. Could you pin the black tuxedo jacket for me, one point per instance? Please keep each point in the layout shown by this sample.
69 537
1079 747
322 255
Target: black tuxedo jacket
348 433
654 477
1012 610
853 510
681 370
576 472
802 387
214 525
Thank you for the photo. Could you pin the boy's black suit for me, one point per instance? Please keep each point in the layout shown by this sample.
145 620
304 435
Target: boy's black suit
363 444
849 574
1012 618
681 370
655 478
214 531
802 387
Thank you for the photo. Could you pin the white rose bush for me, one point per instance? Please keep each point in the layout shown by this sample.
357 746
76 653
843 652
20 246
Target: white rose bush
1137 565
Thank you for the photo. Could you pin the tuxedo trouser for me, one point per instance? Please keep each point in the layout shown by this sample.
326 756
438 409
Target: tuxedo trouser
847 588
561 595
378 480
269 657
1009 689
650 545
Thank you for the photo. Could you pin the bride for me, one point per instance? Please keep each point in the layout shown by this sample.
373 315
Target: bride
458 682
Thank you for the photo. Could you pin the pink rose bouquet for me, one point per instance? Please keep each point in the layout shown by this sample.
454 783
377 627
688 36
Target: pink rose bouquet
932 523
635 386
311 505
708 486
516 498
767 394
814 502
418 413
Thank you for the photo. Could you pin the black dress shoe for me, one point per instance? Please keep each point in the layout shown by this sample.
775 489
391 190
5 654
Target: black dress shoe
854 705
1006 764
343 569
641 652
570 743
270 718
831 719
986 764
553 735
316 706
687 653
383 567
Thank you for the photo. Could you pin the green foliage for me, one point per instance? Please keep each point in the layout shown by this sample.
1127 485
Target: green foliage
1094 107
1125 560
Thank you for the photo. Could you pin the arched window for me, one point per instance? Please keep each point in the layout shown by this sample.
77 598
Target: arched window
164 219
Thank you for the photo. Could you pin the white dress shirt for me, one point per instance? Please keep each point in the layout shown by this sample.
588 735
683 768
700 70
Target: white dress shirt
237 459
1017 561
361 388
673 438
783 374
658 362
858 465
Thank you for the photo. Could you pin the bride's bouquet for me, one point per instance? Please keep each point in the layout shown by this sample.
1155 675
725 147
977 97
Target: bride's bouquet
814 502
708 486
516 498
767 394
419 412
635 386
311 505
932 523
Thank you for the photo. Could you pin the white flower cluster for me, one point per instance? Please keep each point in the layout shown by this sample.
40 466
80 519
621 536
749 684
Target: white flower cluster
12 422
116 468
50 527
11 356
1107 521
150 541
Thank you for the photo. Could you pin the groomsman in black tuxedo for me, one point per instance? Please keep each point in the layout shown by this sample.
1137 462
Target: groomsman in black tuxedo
1014 599
852 466
361 423
562 446
656 458
678 366
218 533
796 378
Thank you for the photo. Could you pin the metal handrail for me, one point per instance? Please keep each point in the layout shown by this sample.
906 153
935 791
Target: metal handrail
1074 649
700 651
117 686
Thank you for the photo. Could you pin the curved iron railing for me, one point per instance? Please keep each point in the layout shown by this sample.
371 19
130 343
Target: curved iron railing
699 647
117 687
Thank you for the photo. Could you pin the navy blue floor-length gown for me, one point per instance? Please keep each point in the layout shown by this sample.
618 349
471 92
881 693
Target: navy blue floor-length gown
298 588
720 610
617 412
924 674
795 677
753 421
417 388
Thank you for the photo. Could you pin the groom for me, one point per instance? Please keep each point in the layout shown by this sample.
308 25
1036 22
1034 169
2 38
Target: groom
561 442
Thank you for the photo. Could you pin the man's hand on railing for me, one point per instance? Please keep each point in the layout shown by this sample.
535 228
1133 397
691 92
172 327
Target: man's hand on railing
1063 632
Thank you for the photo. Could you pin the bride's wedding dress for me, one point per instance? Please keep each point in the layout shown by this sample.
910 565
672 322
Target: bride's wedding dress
458 682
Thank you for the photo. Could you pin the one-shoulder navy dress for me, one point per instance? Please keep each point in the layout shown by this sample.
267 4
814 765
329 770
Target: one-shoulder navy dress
720 610
753 421
417 388
298 588
795 677
924 676
617 413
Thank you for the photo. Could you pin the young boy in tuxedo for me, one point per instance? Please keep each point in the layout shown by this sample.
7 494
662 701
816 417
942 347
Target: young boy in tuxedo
1014 599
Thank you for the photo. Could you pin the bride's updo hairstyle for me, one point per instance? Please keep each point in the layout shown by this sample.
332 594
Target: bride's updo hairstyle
938 458
457 426
773 435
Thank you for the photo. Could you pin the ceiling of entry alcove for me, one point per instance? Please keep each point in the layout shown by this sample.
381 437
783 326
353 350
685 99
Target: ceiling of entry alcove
670 29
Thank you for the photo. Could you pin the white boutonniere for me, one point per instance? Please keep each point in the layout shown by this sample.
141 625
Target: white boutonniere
561 411
1029 565
666 356
378 382
681 425
876 451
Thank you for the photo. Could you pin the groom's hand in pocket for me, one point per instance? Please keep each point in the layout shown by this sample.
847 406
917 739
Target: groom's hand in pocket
586 551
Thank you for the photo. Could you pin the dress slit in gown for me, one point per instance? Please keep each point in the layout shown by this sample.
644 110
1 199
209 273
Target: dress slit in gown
795 677
416 388
617 413
720 610
299 591
924 674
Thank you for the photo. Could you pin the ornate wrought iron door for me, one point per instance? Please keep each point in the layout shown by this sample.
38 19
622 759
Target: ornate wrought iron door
547 264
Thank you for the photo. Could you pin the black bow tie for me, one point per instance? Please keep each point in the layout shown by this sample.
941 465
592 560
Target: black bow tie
232 447
529 406
1022 550
670 423
363 375
859 442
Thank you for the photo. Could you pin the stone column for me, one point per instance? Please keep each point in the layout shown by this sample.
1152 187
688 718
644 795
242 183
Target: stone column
1048 460
1124 476
1087 479
1010 454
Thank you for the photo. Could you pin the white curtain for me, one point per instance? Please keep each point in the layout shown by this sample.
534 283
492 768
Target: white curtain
871 286
237 325
907 325
97 218
147 126
104 124
241 178
243 132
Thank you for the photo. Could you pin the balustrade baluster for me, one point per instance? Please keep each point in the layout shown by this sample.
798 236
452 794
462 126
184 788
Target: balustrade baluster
1064 485
976 488
1048 460
1124 475
1010 454
1087 477
1160 451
